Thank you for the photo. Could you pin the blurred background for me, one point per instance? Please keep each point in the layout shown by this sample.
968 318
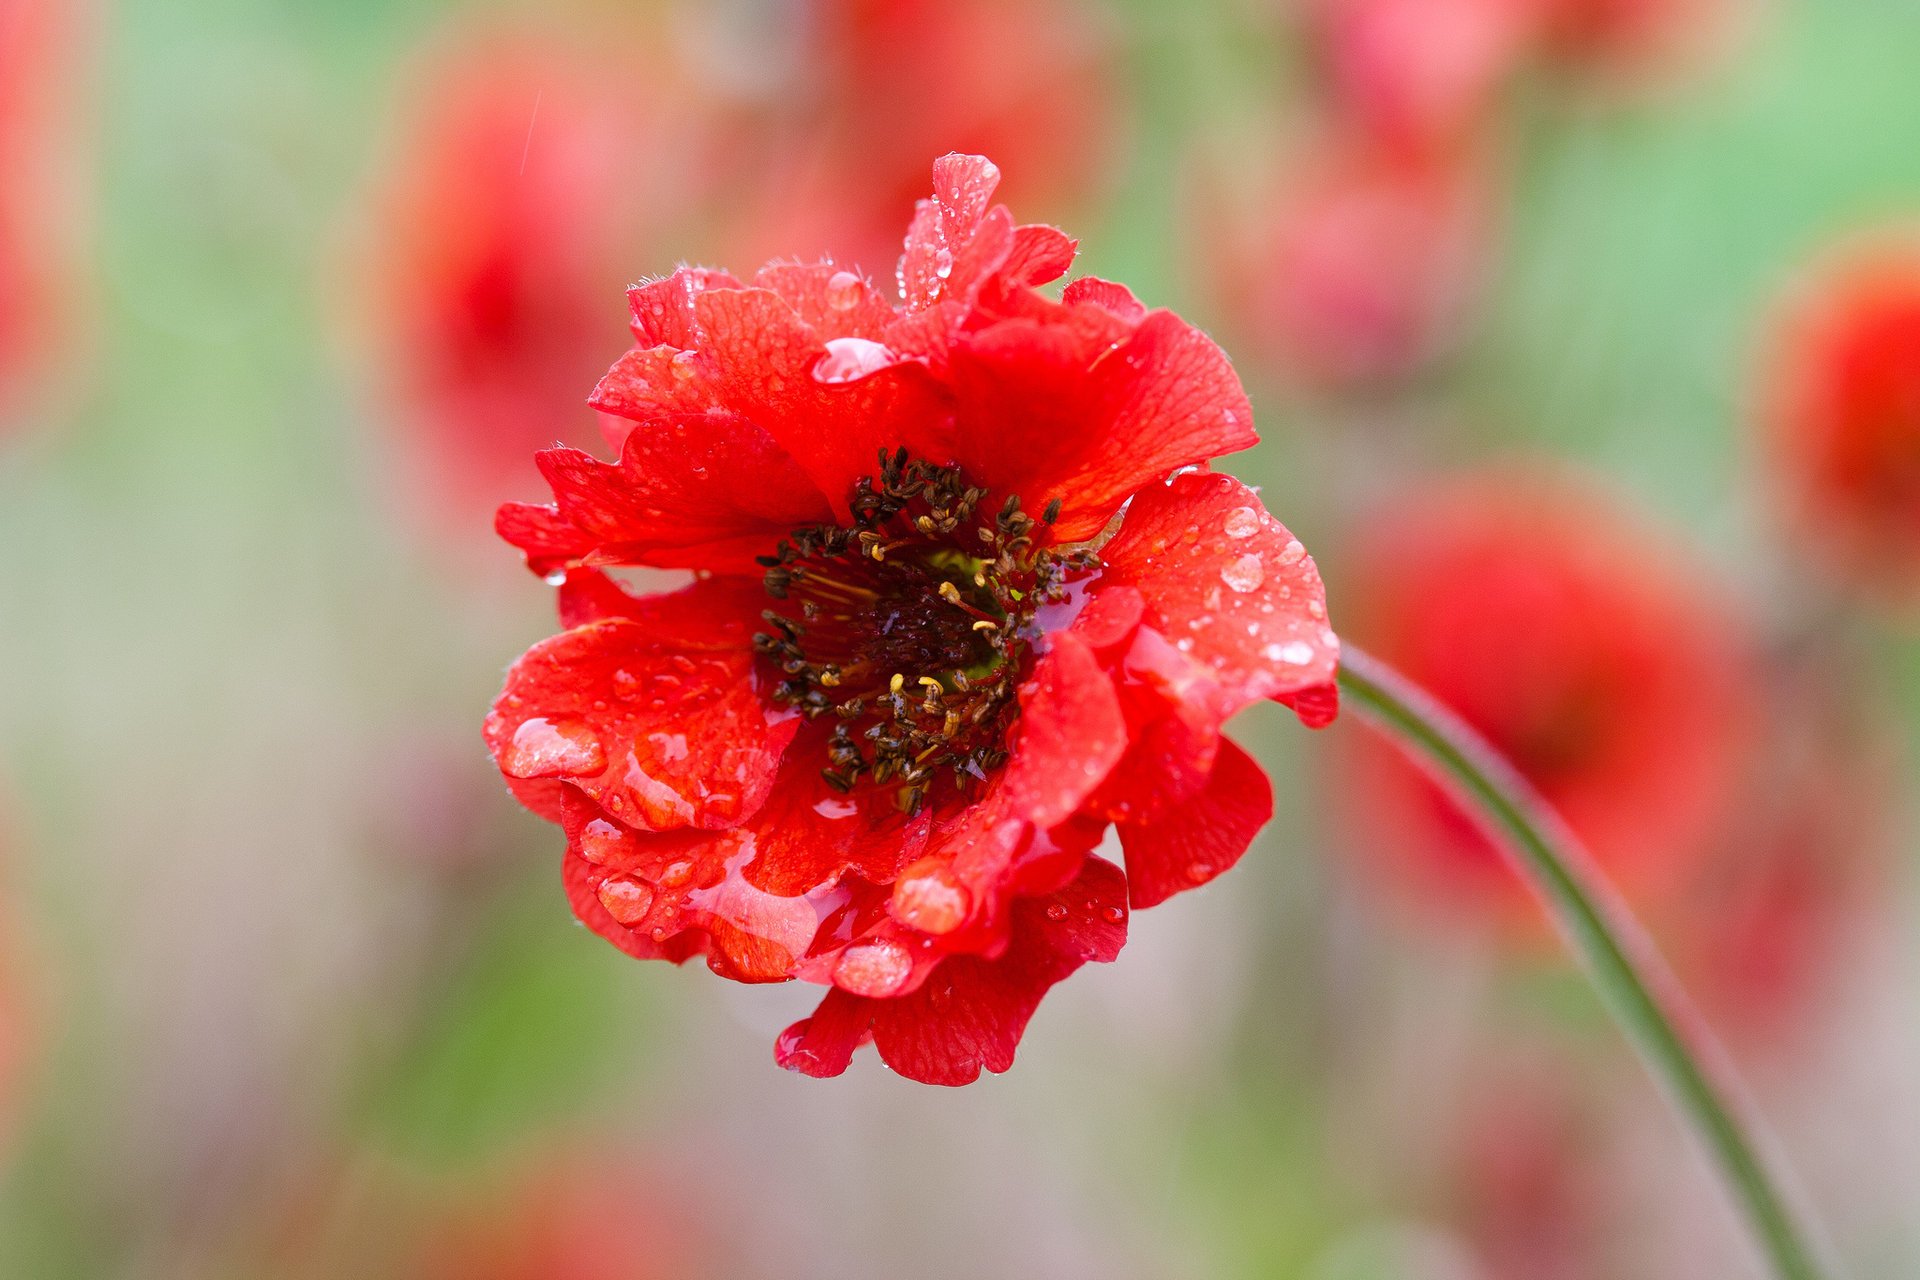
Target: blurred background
1585 336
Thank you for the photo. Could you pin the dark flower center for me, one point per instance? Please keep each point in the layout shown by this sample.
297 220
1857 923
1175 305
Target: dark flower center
913 628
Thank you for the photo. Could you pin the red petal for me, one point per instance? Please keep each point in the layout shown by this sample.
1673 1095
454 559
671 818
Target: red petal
1046 411
763 359
583 894
708 490
663 313
971 1013
661 723
823 1045
1070 734
1116 298
1191 845
832 301
1229 586
1040 254
548 539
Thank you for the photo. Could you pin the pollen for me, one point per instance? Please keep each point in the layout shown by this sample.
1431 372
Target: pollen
911 629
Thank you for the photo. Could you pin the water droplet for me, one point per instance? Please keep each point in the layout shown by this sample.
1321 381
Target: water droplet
555 578
543 748
682 364
602 842
843 290
834 807
1113 915
850 359
1244 574
1199 871
627 900
1297 653
676 875
877 968
1293 552
1056 911
931 901
1242 522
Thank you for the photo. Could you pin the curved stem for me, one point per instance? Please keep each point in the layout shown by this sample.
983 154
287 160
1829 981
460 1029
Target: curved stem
1631 979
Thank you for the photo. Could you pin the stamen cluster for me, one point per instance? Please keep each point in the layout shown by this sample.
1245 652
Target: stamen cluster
913 627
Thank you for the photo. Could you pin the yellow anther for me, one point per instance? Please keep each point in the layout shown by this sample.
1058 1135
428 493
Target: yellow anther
986 624
949 593
898 682
931 683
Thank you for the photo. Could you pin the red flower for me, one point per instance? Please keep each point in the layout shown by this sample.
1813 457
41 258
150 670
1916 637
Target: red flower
1582 649
1843 399
1033 82
572 1217
1369 259
37 250
1422 76
872 745
1763 930
498 227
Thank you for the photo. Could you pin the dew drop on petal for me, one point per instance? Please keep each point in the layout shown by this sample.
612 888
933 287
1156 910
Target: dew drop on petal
850 359
627 900
1113 915
1056 911
1293 552
543 748
1242 522
1244 574
601 841
682 364
1296 653
877 968
843 291
932 901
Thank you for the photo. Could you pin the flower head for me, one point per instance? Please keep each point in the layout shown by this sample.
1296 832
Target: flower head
1584 651
494 227
38 254
965 596
1843 400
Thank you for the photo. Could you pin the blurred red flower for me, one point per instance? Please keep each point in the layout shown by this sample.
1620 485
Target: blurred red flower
38 191
1032 82
505 215
874 743
1421 77
1760 934
1365 259
1842 396
572 1218
1633 40
1585 651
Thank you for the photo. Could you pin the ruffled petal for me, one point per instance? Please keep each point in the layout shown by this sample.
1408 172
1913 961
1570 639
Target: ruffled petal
763 358
830 300
664 724
1189 846
1017 837
547 539
1046 410
663 312
708 490
970 1014
1229 587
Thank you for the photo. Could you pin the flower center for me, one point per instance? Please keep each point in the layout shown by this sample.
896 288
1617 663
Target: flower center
913 628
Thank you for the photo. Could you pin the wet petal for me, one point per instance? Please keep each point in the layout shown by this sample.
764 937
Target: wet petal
1226 584
1189 846
664 726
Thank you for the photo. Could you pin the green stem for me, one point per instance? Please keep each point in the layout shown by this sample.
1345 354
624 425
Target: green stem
1631 978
